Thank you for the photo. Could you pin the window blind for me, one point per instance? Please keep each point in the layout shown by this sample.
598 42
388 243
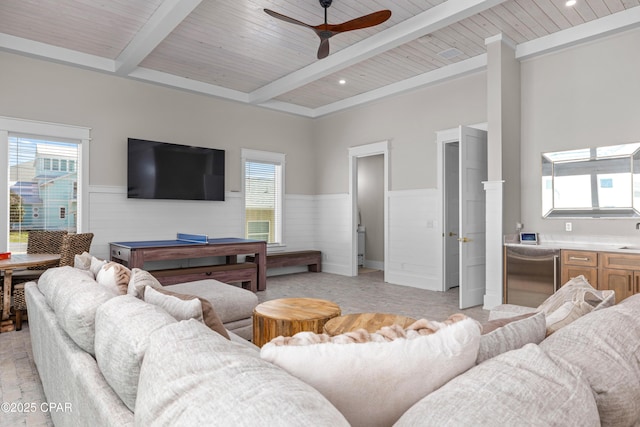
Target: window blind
263 201
43 176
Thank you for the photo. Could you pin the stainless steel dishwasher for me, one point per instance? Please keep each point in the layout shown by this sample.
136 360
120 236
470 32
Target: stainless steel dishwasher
532 274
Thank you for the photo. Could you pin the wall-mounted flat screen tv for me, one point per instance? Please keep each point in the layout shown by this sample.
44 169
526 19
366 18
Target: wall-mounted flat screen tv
159 170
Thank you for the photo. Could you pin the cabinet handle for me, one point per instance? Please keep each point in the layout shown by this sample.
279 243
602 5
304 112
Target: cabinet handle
630 281
578 258
637 285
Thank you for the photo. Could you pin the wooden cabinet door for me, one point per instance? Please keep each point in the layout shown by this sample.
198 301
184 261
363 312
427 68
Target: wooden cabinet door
571 271
622 282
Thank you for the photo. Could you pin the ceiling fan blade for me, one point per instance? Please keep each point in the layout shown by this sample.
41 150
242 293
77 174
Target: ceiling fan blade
287 19
373 19
323 49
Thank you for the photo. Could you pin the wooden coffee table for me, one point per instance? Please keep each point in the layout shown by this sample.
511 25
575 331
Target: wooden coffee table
372 322
288 316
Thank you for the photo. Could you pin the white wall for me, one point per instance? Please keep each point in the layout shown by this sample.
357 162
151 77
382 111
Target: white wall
585 96
116 108
409 122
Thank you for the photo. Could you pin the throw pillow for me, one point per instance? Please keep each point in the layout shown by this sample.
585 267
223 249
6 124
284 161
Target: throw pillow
115 277
140 279
374 382
512 335
82 261
567 313
574 299
96 265
577 289
184 307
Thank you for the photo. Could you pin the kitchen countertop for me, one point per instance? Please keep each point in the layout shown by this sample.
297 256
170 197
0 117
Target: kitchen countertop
599 247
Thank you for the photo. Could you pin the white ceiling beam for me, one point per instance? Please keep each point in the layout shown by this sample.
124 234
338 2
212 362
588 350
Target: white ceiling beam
608 25
49 52
176 82
434 19
163 21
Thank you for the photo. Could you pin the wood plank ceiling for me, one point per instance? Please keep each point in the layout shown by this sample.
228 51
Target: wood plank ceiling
232 49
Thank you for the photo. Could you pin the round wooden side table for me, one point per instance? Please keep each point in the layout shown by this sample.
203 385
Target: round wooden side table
288 316
371 322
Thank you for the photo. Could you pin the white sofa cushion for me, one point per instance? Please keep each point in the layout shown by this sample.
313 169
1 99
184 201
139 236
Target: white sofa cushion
123 326
512 336
605 345
193 376
230 302
74 297
519 388
373 382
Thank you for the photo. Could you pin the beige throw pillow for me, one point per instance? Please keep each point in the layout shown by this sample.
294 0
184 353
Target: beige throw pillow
139 280
185 307
567 313
577 289
573 300
375 381
82 261
96 265
115 277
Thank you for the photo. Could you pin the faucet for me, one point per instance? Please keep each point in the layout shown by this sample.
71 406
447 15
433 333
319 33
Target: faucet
637 225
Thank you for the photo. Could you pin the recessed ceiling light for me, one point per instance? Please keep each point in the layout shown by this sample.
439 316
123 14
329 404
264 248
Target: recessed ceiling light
570 3
342 81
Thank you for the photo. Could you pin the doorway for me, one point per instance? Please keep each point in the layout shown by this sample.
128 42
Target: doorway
380 151
370 194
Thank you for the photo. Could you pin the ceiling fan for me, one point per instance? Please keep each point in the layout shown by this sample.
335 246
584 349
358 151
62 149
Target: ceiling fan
326 31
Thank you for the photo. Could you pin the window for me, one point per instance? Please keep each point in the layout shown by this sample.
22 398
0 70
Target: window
41 188
592 182
263 195
258 230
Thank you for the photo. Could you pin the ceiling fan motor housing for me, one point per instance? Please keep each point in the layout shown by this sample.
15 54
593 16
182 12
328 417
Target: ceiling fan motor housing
325 3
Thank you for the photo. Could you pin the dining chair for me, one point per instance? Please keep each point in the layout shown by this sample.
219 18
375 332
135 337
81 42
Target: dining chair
72 245
38 242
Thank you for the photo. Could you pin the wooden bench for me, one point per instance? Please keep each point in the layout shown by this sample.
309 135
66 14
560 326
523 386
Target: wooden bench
245 273
312 259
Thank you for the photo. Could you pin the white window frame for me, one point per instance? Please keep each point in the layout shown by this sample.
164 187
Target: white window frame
82 135
267 157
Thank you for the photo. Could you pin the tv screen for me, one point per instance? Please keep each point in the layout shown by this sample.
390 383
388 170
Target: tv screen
158 170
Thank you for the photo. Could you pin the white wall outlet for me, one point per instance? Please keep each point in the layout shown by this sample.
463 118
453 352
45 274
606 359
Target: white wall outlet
568 226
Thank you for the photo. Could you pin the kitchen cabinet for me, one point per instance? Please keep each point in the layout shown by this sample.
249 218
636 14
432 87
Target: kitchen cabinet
620 273
575 263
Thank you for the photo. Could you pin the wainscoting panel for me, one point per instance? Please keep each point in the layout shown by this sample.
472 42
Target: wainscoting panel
334 232
300 222
113 217
311 222
415 239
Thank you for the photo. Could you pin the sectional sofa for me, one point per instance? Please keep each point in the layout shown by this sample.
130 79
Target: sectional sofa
118 360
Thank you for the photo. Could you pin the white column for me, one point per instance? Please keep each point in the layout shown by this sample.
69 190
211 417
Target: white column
494 244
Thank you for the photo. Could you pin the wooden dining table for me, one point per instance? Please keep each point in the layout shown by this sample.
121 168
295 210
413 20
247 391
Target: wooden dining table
18 262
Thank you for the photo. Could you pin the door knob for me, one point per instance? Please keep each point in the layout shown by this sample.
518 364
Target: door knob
464 240
451 234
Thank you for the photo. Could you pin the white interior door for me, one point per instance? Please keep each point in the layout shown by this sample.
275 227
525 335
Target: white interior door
473 171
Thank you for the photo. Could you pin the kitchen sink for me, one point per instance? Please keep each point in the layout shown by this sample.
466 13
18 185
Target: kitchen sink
631 247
